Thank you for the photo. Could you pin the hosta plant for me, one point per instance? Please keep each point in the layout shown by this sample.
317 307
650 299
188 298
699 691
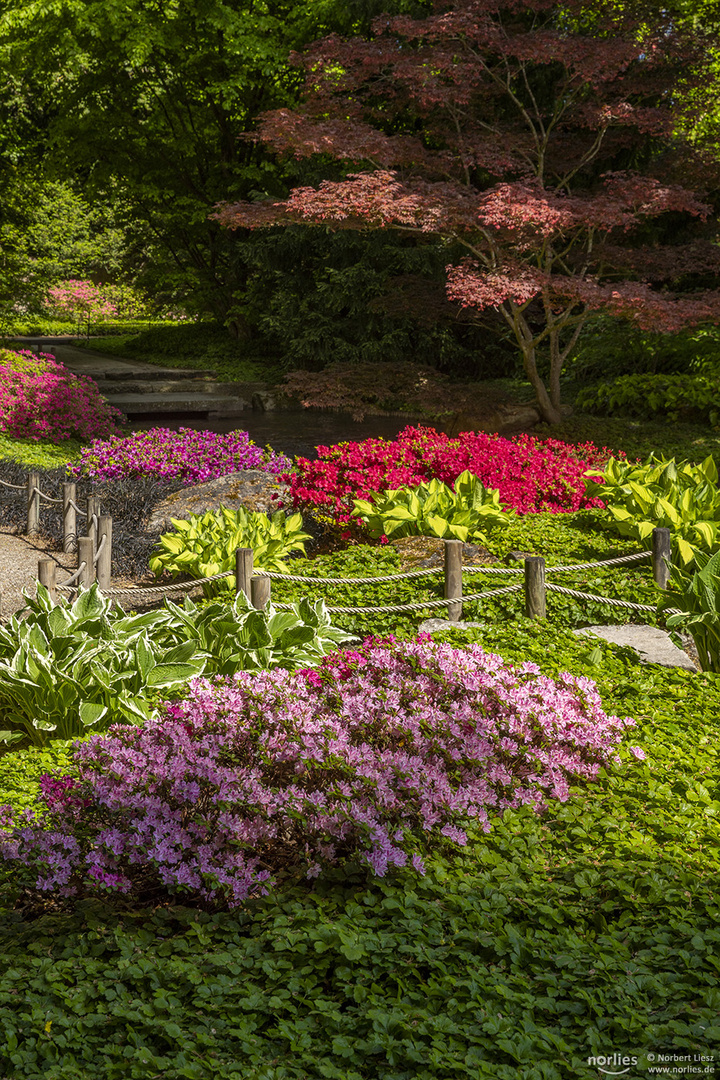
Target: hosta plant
235 636
67 668
680 496
462 512
698 598
206 544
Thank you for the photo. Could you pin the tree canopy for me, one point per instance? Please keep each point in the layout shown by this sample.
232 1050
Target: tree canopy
542 140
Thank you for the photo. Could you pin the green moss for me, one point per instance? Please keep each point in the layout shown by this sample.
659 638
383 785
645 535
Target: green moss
40 453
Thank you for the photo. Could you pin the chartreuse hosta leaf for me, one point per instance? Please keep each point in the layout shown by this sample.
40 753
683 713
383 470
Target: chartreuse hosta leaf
462 512
205 544
682 497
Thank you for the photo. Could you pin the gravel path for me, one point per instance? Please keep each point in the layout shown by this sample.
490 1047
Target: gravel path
19 557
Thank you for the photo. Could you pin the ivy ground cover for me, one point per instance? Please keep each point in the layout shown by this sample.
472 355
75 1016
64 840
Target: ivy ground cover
589 930
531 474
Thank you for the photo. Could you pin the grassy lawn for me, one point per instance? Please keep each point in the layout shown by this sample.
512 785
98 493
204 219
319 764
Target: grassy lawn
587 931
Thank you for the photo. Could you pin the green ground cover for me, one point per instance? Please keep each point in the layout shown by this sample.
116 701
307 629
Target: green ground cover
41 454
589 930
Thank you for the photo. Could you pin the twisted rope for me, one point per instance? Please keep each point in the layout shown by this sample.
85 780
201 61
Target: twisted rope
495 570
606 599
420 605
16 487
605 562
71 502
99 550
48 498
69 581
162 590
275 574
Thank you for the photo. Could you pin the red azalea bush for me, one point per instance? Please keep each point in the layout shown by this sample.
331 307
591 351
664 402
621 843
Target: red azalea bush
41 399
531 474
378 755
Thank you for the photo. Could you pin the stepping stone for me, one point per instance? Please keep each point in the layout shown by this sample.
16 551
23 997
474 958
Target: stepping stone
652 645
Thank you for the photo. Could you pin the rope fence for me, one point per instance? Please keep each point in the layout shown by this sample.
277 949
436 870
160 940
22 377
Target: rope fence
94 557
35 497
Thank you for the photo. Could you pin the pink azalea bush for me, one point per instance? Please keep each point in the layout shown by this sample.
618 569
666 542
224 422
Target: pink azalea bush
41 399
531 474
376 756
189 455
76 299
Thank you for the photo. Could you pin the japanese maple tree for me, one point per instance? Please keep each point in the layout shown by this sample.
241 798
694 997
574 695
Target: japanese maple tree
536 140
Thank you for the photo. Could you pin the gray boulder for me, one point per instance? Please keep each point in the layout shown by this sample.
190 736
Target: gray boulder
252 489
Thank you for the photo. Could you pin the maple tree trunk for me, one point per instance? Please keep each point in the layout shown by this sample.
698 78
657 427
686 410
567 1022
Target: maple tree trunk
548 403
549 409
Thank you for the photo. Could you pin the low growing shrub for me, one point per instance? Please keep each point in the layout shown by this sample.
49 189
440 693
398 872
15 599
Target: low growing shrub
371 758
189 455
65 668
530 474
686 396
657 493
41 399
462 512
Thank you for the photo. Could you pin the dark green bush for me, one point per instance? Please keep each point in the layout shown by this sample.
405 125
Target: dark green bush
688 397
609 347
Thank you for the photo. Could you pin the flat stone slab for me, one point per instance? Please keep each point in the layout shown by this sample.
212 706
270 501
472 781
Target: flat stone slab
177 403
652 645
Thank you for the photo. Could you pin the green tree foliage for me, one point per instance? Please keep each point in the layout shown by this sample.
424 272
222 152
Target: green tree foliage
145 103
49 232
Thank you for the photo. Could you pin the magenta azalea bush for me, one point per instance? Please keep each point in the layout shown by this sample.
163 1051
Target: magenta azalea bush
189 455
41 399
531 474
375 757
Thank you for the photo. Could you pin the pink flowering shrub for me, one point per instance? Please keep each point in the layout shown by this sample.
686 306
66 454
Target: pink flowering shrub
76 299
376 756
531 474
189 455
41 399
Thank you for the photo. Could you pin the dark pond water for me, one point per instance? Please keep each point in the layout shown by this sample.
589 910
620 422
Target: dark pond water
294 433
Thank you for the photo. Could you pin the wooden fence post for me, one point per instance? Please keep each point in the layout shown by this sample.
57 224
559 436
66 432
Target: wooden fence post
260 592
243 571
86 554
104 563
33 503
535 587
69 493
46 577
93 510
661 556
453 578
